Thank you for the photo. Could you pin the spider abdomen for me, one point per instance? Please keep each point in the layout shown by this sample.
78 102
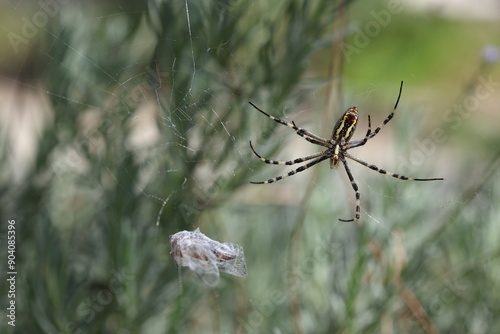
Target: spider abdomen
345 126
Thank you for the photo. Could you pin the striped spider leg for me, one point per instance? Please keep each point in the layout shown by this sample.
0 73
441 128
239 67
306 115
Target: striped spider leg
336 149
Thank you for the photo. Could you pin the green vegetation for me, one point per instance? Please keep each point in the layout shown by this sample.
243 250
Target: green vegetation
150 123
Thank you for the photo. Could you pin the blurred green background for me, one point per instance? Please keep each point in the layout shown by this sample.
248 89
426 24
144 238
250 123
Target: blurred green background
125 122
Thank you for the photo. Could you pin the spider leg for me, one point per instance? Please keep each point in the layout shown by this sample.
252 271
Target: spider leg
391 115
301 132
361 142
310 137
314 141
383 171
290 162
295 171
356 190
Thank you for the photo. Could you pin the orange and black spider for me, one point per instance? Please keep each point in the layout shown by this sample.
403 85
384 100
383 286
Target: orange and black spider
336 149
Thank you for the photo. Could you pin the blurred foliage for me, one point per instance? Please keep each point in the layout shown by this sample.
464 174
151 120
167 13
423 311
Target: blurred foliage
151 122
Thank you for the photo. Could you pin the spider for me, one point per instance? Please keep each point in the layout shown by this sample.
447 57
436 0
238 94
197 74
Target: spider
336 149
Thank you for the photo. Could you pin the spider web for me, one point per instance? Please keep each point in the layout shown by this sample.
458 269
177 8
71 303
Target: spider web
121 112
145 83
175 91
122 92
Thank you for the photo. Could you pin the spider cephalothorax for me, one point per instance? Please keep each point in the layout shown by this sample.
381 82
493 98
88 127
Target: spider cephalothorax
336 148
